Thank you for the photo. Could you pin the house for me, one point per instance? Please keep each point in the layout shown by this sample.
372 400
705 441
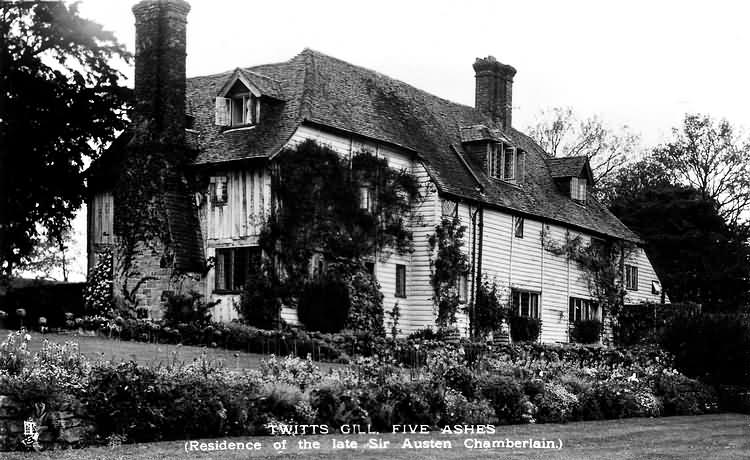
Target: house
471 161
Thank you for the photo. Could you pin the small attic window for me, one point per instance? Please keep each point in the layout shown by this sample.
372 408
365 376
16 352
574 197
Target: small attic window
578 189
238 107
505 162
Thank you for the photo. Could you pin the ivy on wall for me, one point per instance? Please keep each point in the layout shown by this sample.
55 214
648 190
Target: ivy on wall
448 265
601 262
347 211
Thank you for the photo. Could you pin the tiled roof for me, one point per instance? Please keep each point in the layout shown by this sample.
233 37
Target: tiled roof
566 166
333 93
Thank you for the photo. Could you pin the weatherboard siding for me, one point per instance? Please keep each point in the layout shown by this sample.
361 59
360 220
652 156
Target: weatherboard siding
646 274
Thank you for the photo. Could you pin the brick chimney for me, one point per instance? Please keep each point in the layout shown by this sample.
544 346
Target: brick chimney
160 31
494 90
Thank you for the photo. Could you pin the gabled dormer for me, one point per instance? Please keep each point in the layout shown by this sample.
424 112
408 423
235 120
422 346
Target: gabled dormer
573 176
241 99
499 157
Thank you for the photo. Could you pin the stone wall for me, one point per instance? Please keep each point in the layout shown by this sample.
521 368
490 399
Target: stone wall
59 429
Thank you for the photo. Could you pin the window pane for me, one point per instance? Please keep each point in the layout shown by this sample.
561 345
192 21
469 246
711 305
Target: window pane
519 227
509 162
524 304
220 282
400 280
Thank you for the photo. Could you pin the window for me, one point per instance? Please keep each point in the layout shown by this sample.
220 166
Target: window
218 186
463 288
631 277
450 209
244 109
365 199
578 189
655 287
400 280
233 266
518 227
238 108
370 267
582 309
525 303
505 162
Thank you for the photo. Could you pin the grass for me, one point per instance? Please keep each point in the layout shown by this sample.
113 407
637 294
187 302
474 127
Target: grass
722 436
115 350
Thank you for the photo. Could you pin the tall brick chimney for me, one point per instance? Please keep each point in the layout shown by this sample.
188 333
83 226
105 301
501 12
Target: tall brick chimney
160 31
494 90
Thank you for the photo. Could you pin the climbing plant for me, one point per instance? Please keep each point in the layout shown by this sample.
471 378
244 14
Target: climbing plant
601 264
449 264
347 210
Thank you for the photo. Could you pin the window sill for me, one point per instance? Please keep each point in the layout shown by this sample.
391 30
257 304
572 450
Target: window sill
399 296
225 292
245 127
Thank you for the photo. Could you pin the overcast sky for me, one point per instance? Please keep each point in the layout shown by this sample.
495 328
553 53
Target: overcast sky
643 64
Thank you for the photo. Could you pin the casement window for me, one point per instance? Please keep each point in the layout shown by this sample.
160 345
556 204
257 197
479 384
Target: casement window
582 309
505 162
463 288
218 190
233 265
518 226
578 189
365 199
449 209
631 277
401 280
525 303
237 110
317 266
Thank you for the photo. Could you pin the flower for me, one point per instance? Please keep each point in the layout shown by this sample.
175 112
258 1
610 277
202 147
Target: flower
27 337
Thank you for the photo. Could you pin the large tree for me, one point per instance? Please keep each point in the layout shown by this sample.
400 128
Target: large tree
60 99
710 157
562 133
699 257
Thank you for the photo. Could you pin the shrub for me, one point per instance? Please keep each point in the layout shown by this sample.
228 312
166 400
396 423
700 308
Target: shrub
324 305
586 331
489 313
260 301
291 371
555 404
336 405
524 329
398 402
684 396
461 411
188 308
712 347
461 379
97 295
505 397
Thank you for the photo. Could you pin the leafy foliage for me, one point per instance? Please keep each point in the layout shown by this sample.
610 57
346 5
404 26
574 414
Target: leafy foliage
324 305
488 312
97 295
319 208
260 301
61 98
449 264
188 308
586 331
524 329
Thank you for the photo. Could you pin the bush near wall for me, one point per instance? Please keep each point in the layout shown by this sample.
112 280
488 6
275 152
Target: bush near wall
644 323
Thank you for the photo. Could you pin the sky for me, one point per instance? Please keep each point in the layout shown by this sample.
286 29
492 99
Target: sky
640 64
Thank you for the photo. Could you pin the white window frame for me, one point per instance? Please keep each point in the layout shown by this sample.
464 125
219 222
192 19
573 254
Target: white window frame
582 309
578 186
631 277
534 303
219 190
518 224
365 199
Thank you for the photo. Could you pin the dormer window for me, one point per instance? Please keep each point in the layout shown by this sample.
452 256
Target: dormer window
238 105
244 109
578 189
505 162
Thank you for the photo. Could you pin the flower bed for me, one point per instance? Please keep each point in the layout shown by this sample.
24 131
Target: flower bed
529 384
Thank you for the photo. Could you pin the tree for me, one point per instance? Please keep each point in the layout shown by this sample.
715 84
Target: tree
563 134
59 100
52 252
698 256
711 158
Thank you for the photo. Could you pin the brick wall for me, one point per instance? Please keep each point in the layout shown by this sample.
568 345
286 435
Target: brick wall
61 429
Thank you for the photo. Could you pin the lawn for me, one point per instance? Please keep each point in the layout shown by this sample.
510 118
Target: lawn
115 350
722 436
